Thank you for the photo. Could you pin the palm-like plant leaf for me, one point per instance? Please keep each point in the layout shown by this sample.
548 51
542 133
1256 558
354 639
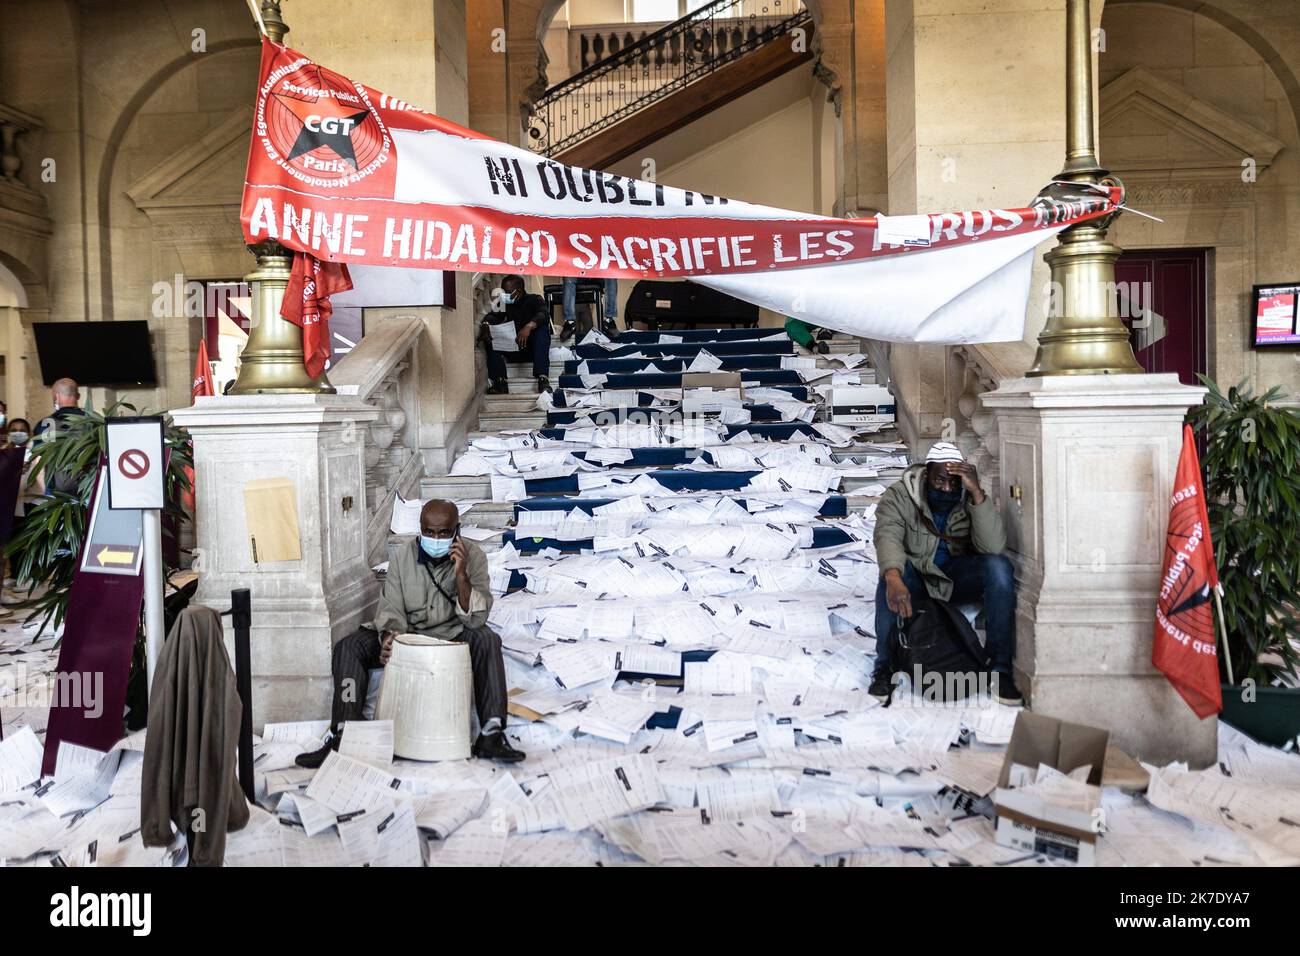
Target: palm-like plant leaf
44 550
1252 487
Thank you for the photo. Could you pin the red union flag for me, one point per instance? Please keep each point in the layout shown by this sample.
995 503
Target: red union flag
1184 648
345 173
202 384
307 303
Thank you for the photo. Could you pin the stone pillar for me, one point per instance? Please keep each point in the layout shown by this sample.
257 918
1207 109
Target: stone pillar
975 121
1087 468
417 51
300 608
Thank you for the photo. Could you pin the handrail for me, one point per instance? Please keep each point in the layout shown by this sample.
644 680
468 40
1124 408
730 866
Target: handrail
655 67
382 371
364 369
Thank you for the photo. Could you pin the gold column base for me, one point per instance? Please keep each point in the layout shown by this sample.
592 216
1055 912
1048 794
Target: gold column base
1084 334
271 362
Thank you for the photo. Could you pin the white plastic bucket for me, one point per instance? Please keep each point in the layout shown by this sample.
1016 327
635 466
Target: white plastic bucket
428 694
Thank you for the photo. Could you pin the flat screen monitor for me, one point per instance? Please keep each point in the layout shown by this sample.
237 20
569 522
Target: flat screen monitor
1274 315
96 353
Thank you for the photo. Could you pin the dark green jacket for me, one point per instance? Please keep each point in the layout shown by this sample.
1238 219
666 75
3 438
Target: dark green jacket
902 536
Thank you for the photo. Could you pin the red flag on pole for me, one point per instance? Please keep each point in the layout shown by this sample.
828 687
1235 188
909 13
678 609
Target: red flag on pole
307 304
202 374
202 385
1184 648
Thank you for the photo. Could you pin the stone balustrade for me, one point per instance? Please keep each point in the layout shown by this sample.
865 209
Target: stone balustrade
380 371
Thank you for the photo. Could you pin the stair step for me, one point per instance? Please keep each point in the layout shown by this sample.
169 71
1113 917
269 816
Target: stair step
457 487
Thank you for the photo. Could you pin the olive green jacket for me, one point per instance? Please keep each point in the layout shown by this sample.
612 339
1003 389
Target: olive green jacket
410 601
902 536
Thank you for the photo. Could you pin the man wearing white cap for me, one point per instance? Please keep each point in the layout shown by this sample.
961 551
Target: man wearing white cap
938 534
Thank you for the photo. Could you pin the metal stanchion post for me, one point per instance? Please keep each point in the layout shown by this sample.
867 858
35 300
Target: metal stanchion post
241 619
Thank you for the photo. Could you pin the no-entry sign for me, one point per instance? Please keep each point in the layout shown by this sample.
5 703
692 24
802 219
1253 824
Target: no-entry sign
135 463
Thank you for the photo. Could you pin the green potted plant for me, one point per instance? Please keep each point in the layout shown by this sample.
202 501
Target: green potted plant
43 550
1252 487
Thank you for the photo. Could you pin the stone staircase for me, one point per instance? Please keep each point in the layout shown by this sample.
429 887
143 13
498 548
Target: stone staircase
518 412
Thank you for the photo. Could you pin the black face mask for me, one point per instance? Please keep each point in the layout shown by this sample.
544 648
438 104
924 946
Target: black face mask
943 500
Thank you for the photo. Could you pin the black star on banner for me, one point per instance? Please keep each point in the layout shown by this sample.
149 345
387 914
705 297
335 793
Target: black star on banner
316 119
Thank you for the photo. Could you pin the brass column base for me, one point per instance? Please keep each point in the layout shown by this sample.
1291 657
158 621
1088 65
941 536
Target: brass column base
1084 334
271 362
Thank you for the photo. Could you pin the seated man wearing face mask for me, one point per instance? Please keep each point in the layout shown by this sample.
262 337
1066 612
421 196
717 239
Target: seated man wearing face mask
938 534
529 322
436 585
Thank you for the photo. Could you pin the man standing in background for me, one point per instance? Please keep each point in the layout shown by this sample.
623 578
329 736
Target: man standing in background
609 324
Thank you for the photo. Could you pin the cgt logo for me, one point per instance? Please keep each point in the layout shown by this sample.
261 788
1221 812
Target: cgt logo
332 125
318 126
77 909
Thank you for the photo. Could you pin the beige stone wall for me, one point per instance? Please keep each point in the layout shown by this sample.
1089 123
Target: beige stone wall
147 124
1188 170
975 117
419 52
764 147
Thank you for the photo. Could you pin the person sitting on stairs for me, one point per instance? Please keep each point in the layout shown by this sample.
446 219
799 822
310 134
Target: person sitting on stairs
438 586
938 534
809 336
532 321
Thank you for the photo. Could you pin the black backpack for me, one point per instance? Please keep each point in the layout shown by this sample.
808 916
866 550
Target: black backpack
939 650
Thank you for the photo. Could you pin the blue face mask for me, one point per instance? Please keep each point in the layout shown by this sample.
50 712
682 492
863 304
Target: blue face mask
510 298
943 500
436 547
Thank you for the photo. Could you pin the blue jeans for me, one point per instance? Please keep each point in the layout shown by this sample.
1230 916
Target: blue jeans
988 579
537 348
571 299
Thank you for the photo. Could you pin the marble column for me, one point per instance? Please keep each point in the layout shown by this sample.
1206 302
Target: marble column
300 607
1087 468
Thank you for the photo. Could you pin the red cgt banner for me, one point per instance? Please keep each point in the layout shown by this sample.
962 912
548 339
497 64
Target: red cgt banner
347 174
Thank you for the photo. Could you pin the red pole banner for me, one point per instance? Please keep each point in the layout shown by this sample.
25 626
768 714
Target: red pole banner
99 632
1184 649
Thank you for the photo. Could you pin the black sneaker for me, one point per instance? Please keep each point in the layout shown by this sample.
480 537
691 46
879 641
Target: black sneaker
498 387
823 348
882 686
1007 693
314 758
566 331
496 747
824 334
543 384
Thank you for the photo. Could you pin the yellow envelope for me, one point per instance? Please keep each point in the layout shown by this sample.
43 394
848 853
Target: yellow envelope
271 514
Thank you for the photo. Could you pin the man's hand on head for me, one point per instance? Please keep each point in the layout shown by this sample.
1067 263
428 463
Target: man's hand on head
970 479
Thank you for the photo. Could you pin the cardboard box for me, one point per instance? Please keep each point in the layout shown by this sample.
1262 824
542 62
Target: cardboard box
1030 822
704 392
861 405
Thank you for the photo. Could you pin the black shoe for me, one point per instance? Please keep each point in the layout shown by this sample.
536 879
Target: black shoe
543 384
1007 692
498 387
314 758
609 328
496 747
823 348
882 686
566 331
824 334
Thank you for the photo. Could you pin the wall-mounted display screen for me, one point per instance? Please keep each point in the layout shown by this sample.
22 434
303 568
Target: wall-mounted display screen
1275 316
